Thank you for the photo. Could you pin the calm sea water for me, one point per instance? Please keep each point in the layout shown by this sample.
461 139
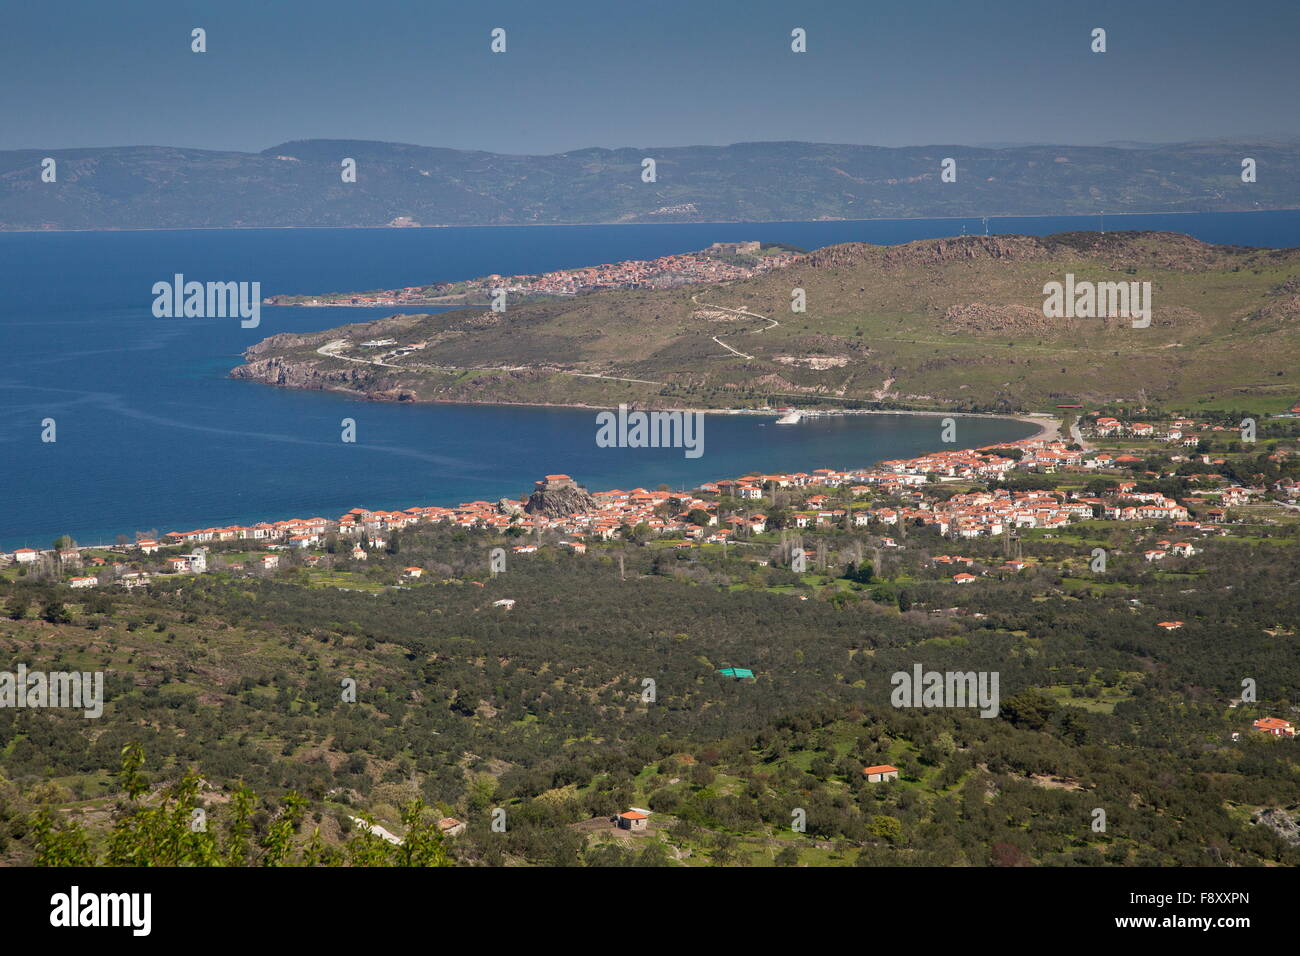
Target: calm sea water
153 435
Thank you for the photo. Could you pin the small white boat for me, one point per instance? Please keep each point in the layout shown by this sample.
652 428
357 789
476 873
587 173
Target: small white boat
789 418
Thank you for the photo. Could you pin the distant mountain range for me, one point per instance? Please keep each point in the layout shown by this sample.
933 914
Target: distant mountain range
300 184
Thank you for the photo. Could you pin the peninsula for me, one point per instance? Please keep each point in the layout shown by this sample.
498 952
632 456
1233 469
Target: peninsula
957 324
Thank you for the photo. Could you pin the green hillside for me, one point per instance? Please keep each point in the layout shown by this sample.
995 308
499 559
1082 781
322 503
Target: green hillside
946 323
539 710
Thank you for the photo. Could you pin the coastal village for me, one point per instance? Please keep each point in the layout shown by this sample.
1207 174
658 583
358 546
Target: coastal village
898 493
894 494
721 262
962 516
953 496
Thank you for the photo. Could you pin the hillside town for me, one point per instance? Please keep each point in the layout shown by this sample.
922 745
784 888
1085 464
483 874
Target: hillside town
721 262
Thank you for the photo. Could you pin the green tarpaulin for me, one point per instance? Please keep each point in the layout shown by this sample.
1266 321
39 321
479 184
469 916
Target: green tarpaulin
735 672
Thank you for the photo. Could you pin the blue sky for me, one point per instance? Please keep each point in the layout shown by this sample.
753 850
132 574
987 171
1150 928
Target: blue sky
657 73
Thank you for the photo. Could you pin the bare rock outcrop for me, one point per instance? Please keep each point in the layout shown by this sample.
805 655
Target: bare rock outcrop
561 502
276 370
1281 822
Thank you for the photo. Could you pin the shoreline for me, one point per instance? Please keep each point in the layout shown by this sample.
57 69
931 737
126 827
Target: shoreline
1046 423
1049 429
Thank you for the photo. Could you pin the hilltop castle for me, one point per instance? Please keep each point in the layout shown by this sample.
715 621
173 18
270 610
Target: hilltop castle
555 483
749 248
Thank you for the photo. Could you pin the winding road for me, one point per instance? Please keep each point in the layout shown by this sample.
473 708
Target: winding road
752 315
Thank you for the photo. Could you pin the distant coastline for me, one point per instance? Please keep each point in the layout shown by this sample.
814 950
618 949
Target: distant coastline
410 186
991 217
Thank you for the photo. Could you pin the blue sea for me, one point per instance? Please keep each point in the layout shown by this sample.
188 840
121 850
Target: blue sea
153 435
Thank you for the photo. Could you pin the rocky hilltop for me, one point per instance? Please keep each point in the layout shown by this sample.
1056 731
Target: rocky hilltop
559 496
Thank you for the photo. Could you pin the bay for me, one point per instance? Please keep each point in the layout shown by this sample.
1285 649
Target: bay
152 434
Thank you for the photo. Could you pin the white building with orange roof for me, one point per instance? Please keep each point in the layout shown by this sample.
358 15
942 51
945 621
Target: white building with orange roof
1275 726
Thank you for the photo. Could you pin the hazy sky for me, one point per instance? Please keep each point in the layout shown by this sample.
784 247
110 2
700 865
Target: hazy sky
652 73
